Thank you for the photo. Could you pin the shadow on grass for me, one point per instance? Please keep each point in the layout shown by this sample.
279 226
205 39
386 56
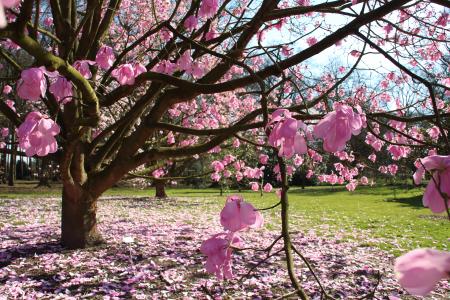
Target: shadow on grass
146 202
414 201
317 191
361 190
199 191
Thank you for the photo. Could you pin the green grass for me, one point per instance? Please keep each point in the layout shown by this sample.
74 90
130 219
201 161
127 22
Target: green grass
391 219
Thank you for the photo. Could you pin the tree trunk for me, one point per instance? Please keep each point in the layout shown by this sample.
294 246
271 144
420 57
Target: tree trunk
12 161
160 188
43 174
78 219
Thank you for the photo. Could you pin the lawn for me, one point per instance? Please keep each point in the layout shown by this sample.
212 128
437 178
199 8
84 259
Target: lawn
391 217
350 238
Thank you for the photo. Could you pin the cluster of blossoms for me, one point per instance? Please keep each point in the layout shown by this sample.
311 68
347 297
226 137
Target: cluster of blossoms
391 169
236 216
336 128
185 63
37 134
373 141
241 171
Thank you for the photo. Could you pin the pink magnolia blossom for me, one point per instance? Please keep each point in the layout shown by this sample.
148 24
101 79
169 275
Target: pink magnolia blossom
278 192
267 188
218 250
285 134
228 159
170 138
254 186
238 165
37 134
215 177
165 34
263 159
82 66
48 21
138 69
236 143
398 152
392 169
364 180
351 186
332 179
166 67
105 57
158 173
239 215
191 23
32 84
196 70
4 132
432 152
311 41
439 166
441 21
434 132
208 8
11 104
298 160
388 28
419 271
373 141
373 157
290 170
212 34
217 166
7 89
62 90
286 50
314 155
6 4
337 127
185 61
124 74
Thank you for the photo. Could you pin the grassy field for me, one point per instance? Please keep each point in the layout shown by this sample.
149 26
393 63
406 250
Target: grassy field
391 218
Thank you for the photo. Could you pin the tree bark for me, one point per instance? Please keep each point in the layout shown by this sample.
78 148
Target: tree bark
79 220
160 188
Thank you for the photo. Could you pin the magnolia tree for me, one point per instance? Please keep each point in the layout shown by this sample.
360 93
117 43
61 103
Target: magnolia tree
115 85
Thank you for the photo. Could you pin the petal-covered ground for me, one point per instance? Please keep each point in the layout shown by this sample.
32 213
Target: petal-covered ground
164 262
